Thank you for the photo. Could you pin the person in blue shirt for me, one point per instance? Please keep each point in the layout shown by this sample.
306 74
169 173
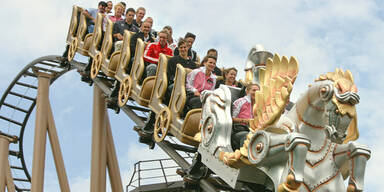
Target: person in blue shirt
91 14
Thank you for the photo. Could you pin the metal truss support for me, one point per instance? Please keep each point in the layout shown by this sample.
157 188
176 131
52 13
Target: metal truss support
164 145
6 180
103 149
45 123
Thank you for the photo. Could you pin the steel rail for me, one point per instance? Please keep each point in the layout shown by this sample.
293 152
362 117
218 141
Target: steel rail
53 62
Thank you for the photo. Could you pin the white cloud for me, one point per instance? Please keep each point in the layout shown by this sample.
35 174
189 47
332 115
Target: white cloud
80 184
137 152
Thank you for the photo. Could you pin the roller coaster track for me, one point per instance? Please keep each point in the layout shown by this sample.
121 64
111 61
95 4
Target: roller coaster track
19 100
16 106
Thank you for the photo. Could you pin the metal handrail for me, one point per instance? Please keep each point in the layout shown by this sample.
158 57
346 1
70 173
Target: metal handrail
137 176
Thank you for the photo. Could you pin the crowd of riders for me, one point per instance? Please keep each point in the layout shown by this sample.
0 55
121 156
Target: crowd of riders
205 74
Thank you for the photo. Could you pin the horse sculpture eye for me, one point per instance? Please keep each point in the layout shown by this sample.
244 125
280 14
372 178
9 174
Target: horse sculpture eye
326 92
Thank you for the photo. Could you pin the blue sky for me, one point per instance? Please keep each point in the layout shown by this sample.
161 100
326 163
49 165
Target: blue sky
322 35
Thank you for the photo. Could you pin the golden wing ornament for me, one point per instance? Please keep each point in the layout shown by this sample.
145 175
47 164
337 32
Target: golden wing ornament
276 83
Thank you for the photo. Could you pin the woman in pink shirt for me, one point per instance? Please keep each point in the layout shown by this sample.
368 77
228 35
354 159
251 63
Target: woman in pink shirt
200 79
241 114
118 13
115 17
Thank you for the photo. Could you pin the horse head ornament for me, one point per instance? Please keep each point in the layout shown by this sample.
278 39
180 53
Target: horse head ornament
318 132
337 96
310 147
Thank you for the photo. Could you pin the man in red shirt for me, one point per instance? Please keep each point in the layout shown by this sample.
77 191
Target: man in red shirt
151 59
153 50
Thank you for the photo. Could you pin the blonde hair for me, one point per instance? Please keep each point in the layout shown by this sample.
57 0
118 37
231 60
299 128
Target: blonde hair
140 8
118 5
165 32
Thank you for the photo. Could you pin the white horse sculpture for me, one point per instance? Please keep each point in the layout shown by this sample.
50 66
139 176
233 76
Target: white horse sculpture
309 148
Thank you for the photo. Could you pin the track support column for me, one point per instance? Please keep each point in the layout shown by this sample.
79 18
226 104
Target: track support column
6 179
113 165
99 155
56 151
103 149
45 123
38 162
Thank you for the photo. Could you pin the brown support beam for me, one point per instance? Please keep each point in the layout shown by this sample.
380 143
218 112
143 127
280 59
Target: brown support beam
166 147
4 145
113 165
10 184
41 125
6 179
99 139
56 151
